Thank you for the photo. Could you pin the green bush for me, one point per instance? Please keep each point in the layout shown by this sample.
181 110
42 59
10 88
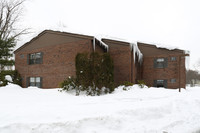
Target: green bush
141 83
83 72
16 78
70 84
127 83
93 72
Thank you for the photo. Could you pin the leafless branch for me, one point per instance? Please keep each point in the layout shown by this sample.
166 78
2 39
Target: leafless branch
10 11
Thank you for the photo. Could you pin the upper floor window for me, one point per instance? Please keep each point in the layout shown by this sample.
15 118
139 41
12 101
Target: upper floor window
35 58
160 63
21 56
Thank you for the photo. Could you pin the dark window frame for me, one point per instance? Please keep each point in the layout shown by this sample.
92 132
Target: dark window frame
173 81
35 81
160 62
160 83
35 58
173 58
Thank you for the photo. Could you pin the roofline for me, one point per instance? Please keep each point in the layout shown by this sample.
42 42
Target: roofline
154 46
90 37
54 32
116 41
70 34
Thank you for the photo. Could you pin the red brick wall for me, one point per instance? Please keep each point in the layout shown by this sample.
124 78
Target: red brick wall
149 73
58 62
121 55
59 54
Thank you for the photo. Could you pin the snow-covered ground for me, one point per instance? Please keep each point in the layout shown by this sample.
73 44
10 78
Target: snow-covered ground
148 110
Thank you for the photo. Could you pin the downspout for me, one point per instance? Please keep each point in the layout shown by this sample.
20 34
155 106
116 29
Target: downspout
94 44
132 64
179 74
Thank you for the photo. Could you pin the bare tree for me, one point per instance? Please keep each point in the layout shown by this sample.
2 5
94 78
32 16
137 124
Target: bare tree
10 13
197 66
192 77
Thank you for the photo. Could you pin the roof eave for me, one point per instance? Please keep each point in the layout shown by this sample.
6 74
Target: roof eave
53 32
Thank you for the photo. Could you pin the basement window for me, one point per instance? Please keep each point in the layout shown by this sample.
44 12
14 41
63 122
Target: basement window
35 81
160 83
35 58
160 63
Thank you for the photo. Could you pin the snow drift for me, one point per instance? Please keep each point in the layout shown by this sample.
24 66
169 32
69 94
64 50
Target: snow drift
33 110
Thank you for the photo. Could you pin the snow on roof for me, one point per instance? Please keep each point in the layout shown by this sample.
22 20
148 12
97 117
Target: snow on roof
101 36
111 38
133 46
169 47
187 58
161 45
101 43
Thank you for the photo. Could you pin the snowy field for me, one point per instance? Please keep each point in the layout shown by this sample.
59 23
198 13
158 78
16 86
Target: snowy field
148 110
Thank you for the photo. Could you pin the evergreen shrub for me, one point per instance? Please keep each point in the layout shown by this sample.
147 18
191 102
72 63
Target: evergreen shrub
127 83
94 73
141 83
16 78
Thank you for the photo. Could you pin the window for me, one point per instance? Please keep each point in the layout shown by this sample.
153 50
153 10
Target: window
173 58
21 56
160 63
160 83
35 81
35 58
173 80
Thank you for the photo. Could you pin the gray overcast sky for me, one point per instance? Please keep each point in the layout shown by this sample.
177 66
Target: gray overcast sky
169 22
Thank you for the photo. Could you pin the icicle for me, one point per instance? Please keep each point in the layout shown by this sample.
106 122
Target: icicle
137 52
103 44
187 60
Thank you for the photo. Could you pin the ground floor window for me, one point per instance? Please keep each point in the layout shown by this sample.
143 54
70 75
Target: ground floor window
173 80
160 83
35 81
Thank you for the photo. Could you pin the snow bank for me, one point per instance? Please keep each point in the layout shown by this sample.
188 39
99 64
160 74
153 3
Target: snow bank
33 87
150 110
11 86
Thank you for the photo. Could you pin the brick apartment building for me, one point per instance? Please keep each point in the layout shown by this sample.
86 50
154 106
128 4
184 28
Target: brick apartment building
49 58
